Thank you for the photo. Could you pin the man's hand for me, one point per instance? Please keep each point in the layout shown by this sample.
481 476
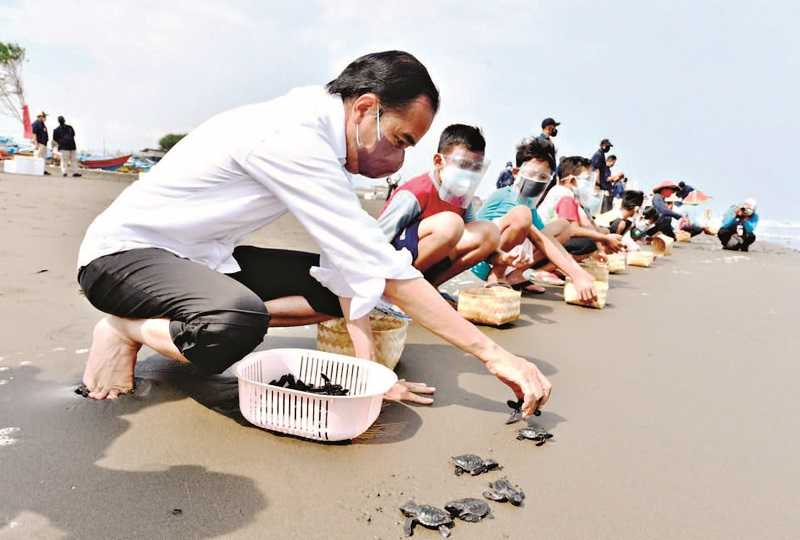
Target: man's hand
524 379
518 257
584 285
407 391
613 242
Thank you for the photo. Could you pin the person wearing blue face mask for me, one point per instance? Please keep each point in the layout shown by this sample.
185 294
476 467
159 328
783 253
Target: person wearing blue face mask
431 216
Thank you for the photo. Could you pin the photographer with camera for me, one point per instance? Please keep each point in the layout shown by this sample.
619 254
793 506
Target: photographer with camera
737 232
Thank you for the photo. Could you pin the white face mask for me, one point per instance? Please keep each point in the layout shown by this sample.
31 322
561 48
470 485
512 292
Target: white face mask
458 185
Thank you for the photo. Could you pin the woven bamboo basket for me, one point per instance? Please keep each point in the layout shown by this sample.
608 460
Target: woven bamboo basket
597 269
494 306
662 245
571 295
683 236
388 333
617 263
641 258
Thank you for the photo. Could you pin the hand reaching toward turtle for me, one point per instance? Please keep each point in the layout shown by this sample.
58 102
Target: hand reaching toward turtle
408 391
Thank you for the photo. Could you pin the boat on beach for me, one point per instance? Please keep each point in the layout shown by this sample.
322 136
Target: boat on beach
104 162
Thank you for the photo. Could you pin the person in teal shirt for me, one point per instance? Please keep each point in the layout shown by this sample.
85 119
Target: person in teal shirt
513 210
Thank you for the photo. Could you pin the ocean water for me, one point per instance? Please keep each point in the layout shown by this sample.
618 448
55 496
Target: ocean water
785 233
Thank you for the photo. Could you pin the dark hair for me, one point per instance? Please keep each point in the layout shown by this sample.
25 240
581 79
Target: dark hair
631 199
681 184
572 165
396 77
650 213
462 135
536 148
612 156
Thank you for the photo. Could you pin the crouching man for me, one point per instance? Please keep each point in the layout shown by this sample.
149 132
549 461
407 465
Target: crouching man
431 215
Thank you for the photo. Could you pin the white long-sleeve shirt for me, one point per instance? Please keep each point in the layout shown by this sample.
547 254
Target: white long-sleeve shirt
243 169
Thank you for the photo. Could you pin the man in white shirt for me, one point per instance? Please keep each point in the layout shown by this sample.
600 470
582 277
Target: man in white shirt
163 260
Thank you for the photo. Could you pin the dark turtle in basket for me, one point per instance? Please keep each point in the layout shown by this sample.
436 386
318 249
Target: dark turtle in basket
503 490
427 516
516 411
469 509
328 389
534 433
474 465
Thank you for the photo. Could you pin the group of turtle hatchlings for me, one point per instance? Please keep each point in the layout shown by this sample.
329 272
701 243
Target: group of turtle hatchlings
470 509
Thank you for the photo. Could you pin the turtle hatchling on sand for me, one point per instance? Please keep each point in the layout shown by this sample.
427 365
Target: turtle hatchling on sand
534 433
503 490
474 465
516 411
469 509
426 515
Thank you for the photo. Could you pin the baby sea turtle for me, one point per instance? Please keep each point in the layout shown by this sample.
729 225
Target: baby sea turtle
516 411
534 433
426 515
503 490
469 509
474 465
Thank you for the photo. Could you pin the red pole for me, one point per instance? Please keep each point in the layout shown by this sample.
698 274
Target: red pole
26 123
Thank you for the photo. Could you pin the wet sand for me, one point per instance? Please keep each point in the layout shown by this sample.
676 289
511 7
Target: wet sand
675 411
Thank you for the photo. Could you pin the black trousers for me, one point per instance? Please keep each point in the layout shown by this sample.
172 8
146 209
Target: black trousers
725 234
215 319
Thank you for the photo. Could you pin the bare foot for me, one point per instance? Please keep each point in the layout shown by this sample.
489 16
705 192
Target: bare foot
112 357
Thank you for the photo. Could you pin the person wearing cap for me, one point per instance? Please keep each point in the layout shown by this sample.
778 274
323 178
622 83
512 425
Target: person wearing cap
40 136
602 173
737 231
431 215
663 201
549 130
506 177
64 141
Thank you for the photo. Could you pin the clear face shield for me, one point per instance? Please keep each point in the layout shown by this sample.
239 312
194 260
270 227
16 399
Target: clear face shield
460 178
531 182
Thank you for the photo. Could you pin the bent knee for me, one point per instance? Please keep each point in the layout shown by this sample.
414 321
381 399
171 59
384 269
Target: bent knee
215 339
448 226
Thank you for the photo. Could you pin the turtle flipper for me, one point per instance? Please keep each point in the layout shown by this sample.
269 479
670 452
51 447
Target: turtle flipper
408 528
444 530
493 495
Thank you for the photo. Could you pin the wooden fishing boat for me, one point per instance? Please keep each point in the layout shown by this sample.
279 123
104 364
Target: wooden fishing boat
105 163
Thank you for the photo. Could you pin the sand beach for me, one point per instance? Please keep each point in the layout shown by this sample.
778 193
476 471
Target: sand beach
674 412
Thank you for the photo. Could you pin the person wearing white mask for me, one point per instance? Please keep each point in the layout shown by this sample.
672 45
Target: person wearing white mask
164 261
574 199
431 215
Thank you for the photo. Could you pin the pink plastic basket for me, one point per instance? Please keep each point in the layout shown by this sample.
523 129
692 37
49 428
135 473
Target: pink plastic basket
313 416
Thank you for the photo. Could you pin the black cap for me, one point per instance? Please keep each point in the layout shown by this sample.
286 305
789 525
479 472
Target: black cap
606 141
549 122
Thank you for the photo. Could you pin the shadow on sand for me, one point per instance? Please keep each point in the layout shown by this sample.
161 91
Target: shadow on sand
52 472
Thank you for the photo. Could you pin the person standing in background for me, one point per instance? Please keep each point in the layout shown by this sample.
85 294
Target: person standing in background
602 172
549 130
64 140
40 137
506 177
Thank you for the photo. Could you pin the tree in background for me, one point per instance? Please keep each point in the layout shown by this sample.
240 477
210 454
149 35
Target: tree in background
171 139
12 92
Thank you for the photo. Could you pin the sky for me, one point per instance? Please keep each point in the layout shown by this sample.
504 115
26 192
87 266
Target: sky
700 91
